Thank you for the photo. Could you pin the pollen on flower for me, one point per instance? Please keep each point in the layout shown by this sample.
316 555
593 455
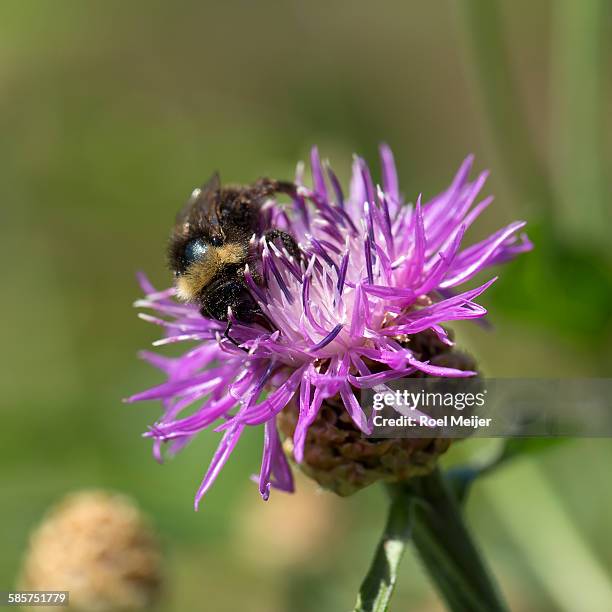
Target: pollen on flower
378 275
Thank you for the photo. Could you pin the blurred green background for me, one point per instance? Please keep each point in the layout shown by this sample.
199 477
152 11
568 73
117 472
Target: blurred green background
111 112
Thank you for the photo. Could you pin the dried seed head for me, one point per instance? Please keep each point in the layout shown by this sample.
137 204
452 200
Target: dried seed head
98 546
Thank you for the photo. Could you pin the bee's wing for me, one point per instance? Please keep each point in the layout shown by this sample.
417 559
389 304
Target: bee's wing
202 204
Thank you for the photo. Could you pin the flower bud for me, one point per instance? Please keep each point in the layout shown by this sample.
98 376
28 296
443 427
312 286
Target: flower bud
341 458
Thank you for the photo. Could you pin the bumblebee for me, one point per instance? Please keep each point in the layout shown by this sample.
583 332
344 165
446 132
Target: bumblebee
209 246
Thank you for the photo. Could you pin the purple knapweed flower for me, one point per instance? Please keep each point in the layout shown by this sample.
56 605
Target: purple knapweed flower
375 270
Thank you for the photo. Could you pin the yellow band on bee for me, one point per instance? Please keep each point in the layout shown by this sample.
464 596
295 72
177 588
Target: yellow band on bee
201 273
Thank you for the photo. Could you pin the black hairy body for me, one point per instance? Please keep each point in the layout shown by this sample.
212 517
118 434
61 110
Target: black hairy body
209 246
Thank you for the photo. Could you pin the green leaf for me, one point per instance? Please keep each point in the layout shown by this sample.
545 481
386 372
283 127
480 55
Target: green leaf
377 587
461 478
527 446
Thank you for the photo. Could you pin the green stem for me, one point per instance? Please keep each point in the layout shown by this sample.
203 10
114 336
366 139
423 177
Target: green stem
425 510
501 103
379 583
447 549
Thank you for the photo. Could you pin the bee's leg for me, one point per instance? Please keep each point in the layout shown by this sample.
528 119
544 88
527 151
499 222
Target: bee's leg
205 311
267 187
287 240
226 334
286 187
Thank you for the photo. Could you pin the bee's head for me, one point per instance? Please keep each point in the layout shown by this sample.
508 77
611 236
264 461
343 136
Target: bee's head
197 260
195 249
